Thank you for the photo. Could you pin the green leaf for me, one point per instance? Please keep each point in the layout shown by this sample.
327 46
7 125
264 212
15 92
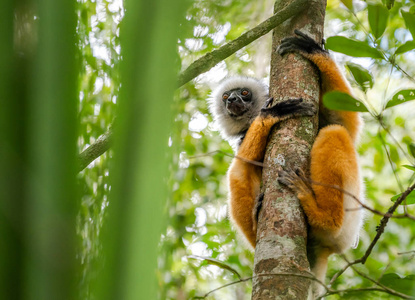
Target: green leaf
412 168
410 199
389 3
352 47
409 22
404 285
408 46
411 148
341 101
348 4
378 18
401 97
362 76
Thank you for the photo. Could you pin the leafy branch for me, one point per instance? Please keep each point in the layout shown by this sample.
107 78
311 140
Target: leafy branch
208 61
202 65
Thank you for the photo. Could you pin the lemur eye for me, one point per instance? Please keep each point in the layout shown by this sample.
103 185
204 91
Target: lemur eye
245 92
225 96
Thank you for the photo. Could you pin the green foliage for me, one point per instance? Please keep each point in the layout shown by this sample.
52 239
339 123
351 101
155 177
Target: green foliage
401 97
380 36
410 199
342 101
408 46
362 76
348 4
378 18
197 209
405 285
409 22
352 47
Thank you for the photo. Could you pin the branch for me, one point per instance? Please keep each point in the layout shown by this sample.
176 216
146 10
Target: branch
309 276
98 148
374 211
217 263
385 288
208 61
381 288
204 64
384 221
380 229
359 290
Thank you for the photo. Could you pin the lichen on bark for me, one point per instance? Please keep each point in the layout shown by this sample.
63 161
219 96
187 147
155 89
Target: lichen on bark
282 229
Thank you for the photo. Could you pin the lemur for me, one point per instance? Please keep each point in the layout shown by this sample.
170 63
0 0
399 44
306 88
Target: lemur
333 216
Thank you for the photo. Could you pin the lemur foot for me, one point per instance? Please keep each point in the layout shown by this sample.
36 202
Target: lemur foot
256 210
295 180
300 43
287 108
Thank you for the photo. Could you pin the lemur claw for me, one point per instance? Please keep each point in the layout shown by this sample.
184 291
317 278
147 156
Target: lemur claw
268 103
301 43
291 107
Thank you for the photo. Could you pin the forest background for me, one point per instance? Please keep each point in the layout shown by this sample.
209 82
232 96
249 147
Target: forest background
198 250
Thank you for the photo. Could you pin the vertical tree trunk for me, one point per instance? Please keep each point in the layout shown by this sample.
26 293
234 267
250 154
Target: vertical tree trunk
282 230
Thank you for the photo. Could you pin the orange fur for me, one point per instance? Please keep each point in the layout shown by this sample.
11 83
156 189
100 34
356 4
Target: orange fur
245 178
333 163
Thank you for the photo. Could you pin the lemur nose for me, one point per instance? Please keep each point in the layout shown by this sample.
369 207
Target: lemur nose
231 99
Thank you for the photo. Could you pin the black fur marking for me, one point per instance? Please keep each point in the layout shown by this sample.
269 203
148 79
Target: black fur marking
258 206
241 139
300 43
288 107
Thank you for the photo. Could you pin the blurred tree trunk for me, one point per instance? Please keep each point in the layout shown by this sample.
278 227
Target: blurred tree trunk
132 232
38 104
282 230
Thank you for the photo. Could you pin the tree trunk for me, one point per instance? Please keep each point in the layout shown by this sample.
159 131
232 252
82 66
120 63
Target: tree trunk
282 230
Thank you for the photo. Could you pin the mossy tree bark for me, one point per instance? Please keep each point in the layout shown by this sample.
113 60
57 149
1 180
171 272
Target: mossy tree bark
281 265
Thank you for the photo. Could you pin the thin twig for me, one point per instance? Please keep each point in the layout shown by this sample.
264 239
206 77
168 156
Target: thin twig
311 277
370 289
386 289
375 211
381 228
390 161
253 162
409 158
406 252
221 287
217 263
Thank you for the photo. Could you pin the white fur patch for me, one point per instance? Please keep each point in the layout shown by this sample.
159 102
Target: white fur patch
231 128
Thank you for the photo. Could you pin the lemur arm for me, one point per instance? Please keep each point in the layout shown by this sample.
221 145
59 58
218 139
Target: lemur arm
332 79
244 177
334 216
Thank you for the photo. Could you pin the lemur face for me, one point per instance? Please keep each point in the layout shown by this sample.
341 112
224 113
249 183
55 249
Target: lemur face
237 101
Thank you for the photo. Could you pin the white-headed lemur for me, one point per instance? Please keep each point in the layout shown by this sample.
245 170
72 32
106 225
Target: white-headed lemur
245 117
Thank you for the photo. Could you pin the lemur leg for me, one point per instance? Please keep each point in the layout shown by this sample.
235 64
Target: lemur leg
244 177
333 170
332 78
